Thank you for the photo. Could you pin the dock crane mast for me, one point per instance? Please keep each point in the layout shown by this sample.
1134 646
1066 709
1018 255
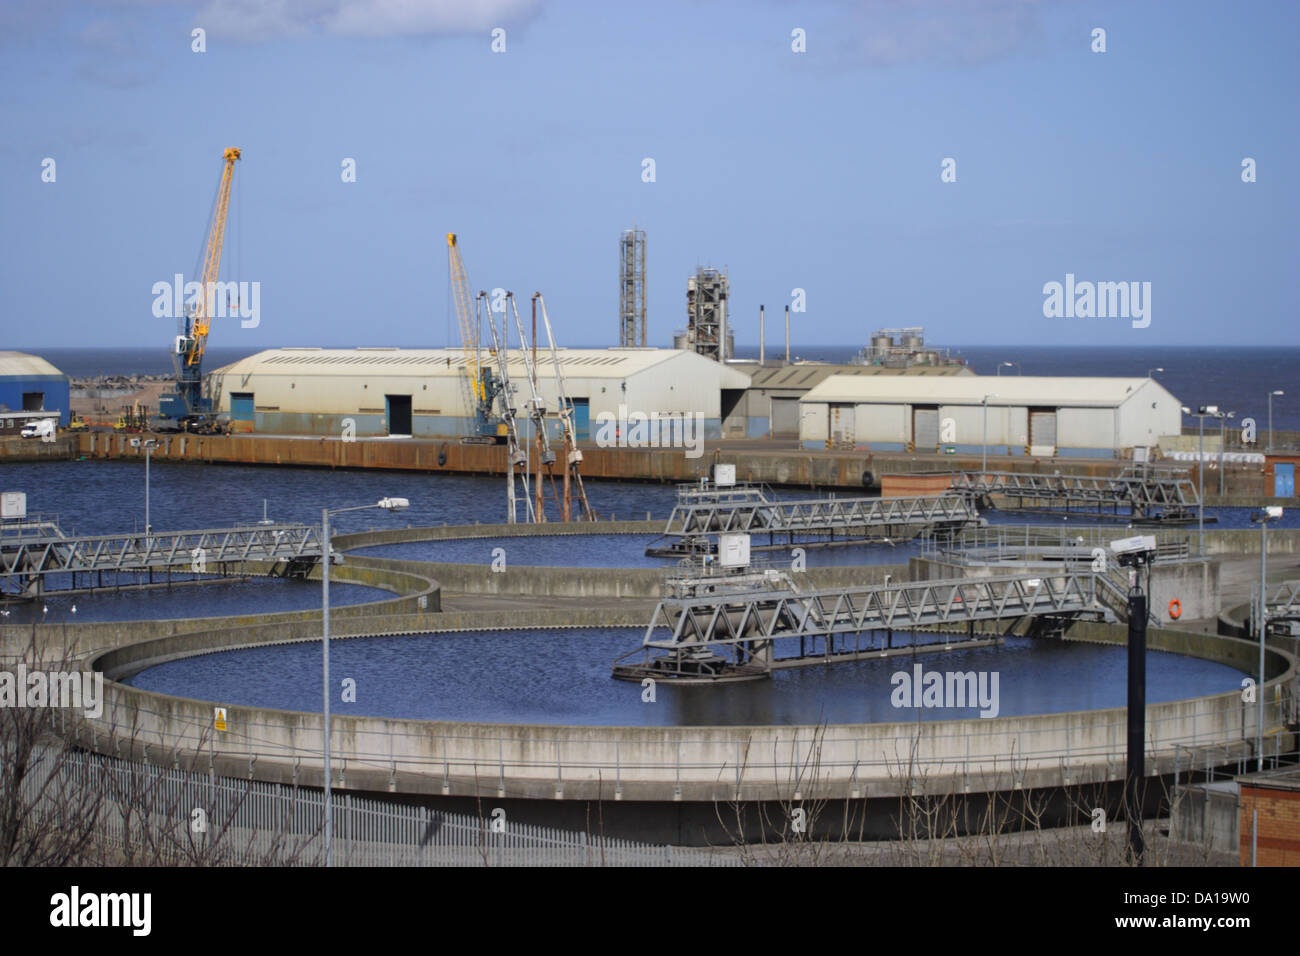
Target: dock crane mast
516 455
187 405
572 455
536 405
479 385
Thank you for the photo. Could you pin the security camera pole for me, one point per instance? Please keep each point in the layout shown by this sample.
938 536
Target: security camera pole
1262 517
1270 416
1205 411
1134 554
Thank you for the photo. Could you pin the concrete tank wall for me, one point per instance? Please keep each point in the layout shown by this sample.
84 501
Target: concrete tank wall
676 763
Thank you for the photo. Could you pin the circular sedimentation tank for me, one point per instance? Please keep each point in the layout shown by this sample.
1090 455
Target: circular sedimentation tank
562 676
216 598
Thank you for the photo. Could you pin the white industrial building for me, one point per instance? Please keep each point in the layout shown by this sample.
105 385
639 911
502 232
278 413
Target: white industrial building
771 406
424 391
1039 416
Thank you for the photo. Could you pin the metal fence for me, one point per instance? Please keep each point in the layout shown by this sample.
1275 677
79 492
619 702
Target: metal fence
164 815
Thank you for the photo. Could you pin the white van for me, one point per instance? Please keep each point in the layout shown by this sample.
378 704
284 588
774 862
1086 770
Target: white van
41 428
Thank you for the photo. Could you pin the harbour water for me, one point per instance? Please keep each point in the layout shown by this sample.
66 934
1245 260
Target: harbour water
105 497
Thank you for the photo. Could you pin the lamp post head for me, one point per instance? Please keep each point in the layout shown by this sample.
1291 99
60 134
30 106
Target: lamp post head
393 504
1277 392
1267 514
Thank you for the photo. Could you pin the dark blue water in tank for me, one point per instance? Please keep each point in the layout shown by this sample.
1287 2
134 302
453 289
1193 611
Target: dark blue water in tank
617 551
563 677
222 598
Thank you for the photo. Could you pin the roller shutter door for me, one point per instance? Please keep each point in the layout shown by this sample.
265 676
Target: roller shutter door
241 407
842 425
785 418
1042 432
925 429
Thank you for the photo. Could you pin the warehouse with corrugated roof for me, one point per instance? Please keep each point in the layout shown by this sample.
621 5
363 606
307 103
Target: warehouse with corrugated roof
391 391
771 406
1030 415
28 383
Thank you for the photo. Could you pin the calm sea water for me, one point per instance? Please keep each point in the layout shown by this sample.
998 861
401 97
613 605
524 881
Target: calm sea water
1235 379
564 677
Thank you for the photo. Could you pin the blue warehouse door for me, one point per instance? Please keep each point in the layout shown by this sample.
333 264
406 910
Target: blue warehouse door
241 407
1283 480
582 418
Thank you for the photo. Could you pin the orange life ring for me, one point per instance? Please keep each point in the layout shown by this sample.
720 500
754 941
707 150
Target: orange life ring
1175 609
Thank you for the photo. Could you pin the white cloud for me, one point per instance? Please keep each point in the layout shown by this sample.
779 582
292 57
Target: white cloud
268 19
941 32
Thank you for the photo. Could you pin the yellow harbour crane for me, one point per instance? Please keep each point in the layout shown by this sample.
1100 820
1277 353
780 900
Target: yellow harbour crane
480 384
187 405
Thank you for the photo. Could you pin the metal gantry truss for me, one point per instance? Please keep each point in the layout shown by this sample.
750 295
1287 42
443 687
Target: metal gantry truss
30 558
1147 494
748 510
730 636
1010 544
1286 600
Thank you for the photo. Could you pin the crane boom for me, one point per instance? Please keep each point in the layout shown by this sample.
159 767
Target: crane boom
468 332
536 405
516 456
212 260
572 456
479 386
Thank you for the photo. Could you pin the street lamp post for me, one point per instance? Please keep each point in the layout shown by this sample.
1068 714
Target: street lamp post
1270 416
327 555
1263 516
984 466
1150 370
148 445
1223 421
1016 365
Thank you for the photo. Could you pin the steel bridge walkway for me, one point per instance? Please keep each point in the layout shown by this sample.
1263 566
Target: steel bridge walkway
750 511
26 560
1147 495
1285 601
1008 546
696 629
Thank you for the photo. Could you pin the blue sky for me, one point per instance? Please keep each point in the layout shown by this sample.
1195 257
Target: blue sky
816 170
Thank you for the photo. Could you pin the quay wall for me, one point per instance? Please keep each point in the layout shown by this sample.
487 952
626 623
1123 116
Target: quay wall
776 465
